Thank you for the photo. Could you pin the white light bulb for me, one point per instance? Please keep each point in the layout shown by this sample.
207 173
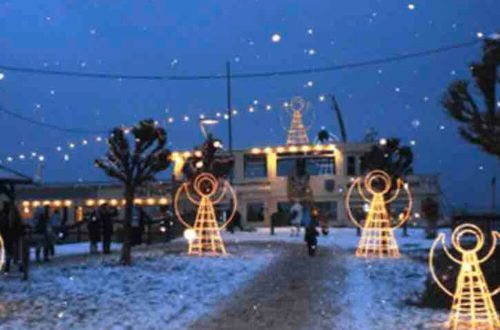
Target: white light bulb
276 38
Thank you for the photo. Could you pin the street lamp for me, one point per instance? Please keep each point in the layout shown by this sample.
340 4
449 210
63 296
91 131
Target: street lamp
207 122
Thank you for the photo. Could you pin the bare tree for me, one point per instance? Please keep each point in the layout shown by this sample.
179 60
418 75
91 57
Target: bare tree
134 157
480 126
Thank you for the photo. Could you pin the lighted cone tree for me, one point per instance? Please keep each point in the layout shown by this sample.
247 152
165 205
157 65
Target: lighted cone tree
472 306
377 237
204 236
297 133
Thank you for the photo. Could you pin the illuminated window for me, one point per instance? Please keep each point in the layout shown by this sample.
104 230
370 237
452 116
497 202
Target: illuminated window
351 165
314 165
255 166
320 165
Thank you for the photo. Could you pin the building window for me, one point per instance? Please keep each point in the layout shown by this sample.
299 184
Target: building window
285 166
314 165
255 166
328 209
284 207
351 165
320 165
363 165
255 212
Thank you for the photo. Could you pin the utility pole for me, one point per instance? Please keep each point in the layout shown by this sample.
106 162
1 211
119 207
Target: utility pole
493 194
340 120
229 110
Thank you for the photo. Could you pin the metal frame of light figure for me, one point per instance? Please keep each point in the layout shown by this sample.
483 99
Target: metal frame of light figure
2 252
377 237
473 306
206 239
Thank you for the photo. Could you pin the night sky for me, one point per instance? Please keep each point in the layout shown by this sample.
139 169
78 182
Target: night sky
198 36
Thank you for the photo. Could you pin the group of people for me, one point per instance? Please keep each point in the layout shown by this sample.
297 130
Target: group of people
100 228
45 225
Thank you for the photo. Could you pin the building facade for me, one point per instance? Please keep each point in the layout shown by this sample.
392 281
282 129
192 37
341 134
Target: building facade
260 178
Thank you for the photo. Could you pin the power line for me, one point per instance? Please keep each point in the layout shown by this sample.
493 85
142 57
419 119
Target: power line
51 126
351 65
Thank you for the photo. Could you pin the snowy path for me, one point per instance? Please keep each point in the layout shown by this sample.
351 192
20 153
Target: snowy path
295 292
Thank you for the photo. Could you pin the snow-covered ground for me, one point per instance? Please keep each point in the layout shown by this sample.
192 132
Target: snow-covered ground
95 293
341 237
377 291
166 287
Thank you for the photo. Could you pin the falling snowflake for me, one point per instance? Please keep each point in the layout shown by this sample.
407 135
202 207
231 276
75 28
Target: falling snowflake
276 37
411 6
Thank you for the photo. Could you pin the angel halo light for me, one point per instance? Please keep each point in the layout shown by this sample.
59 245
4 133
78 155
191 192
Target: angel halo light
473 306
204 235
377 237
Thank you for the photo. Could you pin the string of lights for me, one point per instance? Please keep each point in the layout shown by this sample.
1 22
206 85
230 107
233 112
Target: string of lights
47 125
352 65
66 148
69 146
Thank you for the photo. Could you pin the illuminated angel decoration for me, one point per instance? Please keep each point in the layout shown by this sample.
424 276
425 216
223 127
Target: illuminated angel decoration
377 238
473 306
204 235
297 109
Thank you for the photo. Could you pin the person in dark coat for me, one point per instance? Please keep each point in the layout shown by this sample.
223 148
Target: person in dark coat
137 226
94 228
236 222
11 230
106 215
311 238
40 237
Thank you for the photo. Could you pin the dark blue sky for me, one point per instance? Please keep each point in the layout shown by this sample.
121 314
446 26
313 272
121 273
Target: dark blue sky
198 36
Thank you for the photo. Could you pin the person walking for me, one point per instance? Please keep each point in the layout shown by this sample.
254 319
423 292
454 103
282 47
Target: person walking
311 238
296 215
53 227
39 237
94 230
106 214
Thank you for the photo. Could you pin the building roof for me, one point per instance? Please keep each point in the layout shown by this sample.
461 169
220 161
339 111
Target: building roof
10 176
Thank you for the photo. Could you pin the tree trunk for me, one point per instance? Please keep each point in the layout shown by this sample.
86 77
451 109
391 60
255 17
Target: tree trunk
126 254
